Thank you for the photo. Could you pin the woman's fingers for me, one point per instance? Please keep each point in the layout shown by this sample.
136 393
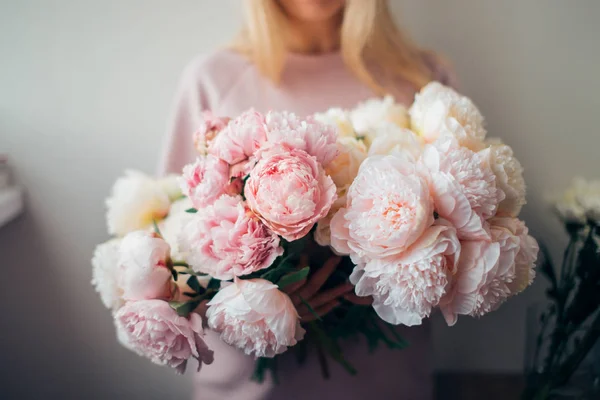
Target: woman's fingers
325 297
361 301
319 278
321 311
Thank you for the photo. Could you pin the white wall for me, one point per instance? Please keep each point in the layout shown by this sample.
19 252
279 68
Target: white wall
85 90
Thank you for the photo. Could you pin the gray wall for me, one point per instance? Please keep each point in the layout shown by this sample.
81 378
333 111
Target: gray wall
85 90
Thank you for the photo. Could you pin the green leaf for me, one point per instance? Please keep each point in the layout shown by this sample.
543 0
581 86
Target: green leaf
180 264
156 229
193 283
293 277
332 347
174 273
214 284
184 308
191 211
310 309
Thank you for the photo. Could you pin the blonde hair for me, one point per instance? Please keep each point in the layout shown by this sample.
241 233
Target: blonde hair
368 36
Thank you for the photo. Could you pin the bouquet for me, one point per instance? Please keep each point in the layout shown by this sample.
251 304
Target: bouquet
420 208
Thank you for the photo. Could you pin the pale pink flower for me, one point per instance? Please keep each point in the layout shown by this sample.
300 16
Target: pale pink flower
485 271
315 138
463 186
256 317
242 137
439 110
143 272
152 329
388 208
407 286
226 240
210 126
208 179
527 255
289 191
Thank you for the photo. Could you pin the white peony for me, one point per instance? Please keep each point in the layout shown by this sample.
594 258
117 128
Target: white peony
509 179
439 110
369 115
576 203
171 227
588 195
105 265
135 201
170 185
338 118
391 139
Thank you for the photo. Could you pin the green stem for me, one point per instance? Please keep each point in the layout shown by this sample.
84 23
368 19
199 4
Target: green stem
574 360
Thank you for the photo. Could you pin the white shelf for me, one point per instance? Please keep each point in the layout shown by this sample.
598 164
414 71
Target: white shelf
11 204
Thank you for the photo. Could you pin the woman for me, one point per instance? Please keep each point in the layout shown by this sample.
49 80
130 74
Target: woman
305 56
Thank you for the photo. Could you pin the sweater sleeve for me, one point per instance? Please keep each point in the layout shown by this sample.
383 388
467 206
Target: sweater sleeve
190 100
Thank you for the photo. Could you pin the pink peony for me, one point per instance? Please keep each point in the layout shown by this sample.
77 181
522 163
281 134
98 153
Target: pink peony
226 240
289 191
152 329
388 208
241 138
316 138
210 126
406 287
525 258
463 186
485 271
143 272
254 316
206 180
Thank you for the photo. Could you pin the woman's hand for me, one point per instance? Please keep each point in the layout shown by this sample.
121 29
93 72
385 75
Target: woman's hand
322 302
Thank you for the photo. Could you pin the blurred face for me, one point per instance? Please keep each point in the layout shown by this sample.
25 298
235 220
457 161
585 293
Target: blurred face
312 10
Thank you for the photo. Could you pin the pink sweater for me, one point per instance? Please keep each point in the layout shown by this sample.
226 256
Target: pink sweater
228 84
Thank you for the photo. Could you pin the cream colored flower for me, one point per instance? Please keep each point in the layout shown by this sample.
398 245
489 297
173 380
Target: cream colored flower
343 169
509 179
439 110
170 185
135 201
391 139
368 116
338 118
567 204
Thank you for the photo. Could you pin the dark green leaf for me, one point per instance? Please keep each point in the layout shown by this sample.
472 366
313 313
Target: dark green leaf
184 308
191 211
293 277
310 309
193 283
156 229
214 284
